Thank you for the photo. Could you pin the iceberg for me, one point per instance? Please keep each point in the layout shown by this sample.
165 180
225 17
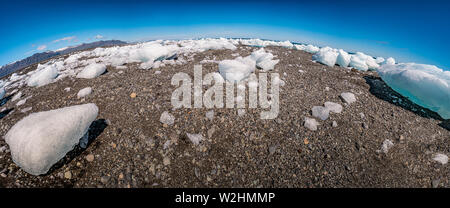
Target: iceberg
425 85
41 139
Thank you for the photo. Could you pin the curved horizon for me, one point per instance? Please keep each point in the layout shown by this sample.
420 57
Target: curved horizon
410 31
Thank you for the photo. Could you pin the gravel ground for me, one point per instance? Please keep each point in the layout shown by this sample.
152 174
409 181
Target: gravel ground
130 147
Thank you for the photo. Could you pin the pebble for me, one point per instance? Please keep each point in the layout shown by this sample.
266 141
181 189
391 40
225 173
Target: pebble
210 115
334 124
365 125
211 132
104 179
348 97
435 183
167 118
90 157
311 124
166 161
68 175
133 95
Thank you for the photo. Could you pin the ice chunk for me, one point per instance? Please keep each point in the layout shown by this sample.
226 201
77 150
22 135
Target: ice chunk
389 61
311 49
425 85
320 112
43 76
441 158
333 107
371 63
358 61
348 97
311 124
26 109
92 71
195 138
84 92
167 118
2 93
343 58
264 60
379 60
387 144
23 101
237 69
16 96
41 139
326 56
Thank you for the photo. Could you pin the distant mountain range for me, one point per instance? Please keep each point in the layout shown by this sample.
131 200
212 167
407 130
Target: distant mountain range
39 57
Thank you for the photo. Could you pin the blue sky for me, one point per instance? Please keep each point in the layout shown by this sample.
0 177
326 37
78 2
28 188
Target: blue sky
410 31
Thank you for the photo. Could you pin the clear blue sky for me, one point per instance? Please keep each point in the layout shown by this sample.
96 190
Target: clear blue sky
410 31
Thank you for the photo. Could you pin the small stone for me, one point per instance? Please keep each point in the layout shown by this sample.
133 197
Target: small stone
195 138
272 149
320 112
333 107
362 115
133 95
365 125
435 183
90 157
211 132
348 97
166 161
210 115
104 179
311 124
334 124
68 175
441 158
387 144
167 118
241 112
121 176
306 141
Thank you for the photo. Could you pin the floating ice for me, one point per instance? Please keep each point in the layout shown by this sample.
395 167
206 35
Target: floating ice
84 92
348 97
195 138
441 158
425 85
167 118
41 139
92 71
311 124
